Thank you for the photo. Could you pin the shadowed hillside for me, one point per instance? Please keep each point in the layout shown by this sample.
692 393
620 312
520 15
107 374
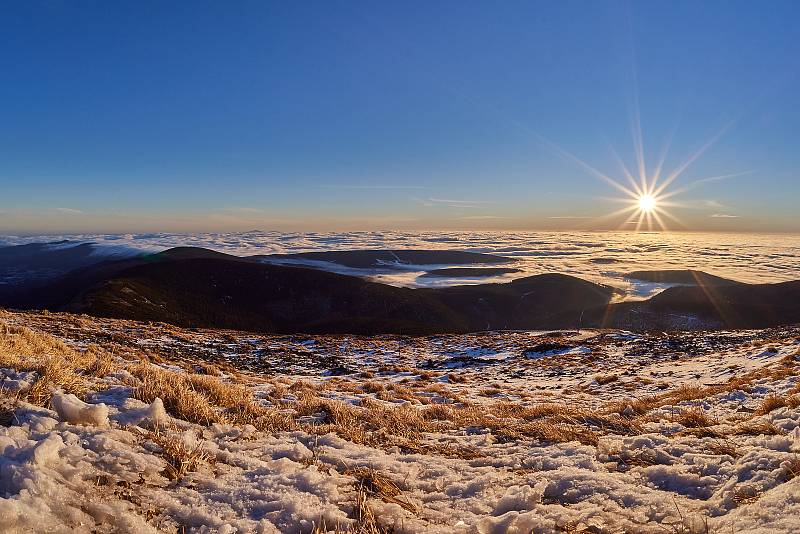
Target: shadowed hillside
680 276
729 305
37 263
194 287
365 259
197 287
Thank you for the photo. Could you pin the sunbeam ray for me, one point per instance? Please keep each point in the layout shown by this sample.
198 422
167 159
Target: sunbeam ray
636 186
568 155
697 183
692 158
663 156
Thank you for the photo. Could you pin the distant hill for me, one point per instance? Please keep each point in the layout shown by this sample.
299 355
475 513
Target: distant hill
194 288
195 253
38 263
368 259
685 277
470 272
708 303
59 256
201 288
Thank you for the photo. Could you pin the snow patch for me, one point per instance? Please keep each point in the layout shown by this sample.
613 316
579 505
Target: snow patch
73 410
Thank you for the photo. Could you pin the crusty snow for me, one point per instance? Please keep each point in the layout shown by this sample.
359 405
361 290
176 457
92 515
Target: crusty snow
87 465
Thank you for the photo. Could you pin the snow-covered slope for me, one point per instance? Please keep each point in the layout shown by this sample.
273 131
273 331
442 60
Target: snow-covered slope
115 426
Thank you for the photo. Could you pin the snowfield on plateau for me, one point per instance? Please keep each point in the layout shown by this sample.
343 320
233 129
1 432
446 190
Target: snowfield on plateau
119 426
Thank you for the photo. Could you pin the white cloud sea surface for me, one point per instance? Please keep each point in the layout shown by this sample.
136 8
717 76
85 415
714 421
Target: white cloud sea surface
603 257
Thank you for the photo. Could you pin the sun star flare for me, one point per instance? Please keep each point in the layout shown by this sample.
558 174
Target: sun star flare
647 203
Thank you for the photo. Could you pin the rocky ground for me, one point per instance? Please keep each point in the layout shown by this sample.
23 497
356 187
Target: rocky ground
122 426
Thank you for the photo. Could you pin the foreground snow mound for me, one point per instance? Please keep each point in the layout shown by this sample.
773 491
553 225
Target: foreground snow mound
48 479
73 410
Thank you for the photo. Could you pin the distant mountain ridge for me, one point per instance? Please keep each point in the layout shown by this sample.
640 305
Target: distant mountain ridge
373 258
680 276
38 263
198 287
191 286
714 306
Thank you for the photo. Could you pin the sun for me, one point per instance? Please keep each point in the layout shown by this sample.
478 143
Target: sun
647 194
647 203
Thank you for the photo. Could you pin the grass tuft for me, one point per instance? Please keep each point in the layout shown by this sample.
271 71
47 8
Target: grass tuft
180 457
694 417
376 484
770 403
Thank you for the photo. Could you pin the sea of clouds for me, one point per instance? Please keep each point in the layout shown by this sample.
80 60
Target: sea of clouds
598 256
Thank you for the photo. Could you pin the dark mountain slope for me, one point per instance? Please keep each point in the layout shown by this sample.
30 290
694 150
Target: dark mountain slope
38 263
58 293
706 307
273 298
235 293
686 277
469 272
365 259
265 298
61 256
196 253
541 301
196 287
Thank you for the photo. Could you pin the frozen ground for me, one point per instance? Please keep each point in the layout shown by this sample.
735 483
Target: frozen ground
590 431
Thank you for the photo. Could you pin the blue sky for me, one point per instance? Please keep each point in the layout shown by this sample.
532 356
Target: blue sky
182 116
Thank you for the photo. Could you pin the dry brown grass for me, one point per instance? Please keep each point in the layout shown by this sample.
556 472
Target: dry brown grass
791 469
746 494
366 523
369 484
205 399
633 407
694 417
770 402
402 392
54 373
426 375
372 387
19 345
8 405
180 457
455 378
103 365
437 412
58 366
447 393
385 395
757 428
640 406
240 406
723 447
556 432
605 379
376 484
508 422
209 368
639 458
372 423
277 394
180 399
322 527
562 414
